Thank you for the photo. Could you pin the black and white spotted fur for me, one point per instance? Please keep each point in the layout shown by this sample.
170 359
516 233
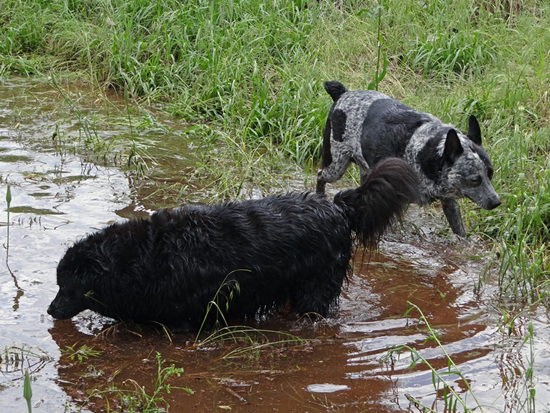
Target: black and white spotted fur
366 126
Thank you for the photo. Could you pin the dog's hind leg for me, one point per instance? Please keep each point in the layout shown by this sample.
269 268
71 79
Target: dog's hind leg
452 212
320 294
364 169
333 171
340 161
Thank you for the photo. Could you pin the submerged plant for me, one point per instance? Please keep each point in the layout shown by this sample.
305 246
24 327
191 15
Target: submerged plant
8 201
139 399
82 353
27 391
450 397
223 296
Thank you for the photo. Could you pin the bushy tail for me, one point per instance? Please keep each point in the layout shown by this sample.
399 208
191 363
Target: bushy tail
335 89
371 208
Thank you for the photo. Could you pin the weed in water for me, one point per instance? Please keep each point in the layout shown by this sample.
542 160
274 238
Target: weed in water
250 340
80 354
27 391
137 399
450 396
8 201
256 339
523 395
222 298
98 147
18 359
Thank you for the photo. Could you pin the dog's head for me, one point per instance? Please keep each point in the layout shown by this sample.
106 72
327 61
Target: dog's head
69 301
66 304
469 170
73 281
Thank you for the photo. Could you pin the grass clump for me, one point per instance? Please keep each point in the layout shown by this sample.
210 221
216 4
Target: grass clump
133 397
80 354
249 341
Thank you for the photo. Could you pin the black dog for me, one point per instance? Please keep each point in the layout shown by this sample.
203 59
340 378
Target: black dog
365 126
250 257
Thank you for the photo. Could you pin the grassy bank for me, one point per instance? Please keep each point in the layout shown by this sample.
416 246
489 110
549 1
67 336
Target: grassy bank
251 73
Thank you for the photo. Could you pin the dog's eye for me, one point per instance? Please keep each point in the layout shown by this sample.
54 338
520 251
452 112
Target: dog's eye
68 292
476 180
490 173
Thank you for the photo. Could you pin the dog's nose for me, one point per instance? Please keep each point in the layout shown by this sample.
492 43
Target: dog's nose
494 203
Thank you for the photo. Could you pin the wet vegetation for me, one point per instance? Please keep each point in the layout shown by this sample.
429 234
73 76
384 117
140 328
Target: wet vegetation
244 78
250 75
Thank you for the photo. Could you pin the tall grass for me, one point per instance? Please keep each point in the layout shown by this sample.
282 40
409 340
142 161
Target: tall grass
250 75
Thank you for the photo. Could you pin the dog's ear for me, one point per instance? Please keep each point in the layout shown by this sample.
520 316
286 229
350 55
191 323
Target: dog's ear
453 148
474 131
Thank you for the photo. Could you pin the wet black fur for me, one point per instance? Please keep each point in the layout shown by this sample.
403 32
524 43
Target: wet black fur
263 253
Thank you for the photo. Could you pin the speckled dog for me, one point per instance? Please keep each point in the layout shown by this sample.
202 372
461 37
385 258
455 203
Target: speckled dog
366 126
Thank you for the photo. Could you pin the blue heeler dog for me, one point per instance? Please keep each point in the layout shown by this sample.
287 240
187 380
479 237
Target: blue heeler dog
368 126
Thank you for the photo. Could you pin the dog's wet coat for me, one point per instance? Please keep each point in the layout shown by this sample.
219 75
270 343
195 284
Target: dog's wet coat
249 257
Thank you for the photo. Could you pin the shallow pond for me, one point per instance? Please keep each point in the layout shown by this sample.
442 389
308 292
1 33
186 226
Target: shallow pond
286 364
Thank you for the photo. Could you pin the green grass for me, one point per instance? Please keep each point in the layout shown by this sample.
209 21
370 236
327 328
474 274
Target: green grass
133 397
80 354
247 341
247 76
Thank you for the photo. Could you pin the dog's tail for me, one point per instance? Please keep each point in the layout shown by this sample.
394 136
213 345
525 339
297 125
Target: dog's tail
371 208
335 89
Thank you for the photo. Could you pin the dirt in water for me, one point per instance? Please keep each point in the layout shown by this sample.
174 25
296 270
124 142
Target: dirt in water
283 363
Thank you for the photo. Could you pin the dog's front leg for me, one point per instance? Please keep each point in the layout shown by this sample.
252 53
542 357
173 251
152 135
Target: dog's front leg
321 182
452 212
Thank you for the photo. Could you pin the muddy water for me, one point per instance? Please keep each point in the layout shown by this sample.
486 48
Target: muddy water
337 365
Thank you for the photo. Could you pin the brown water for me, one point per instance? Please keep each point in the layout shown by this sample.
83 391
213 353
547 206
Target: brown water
338 366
